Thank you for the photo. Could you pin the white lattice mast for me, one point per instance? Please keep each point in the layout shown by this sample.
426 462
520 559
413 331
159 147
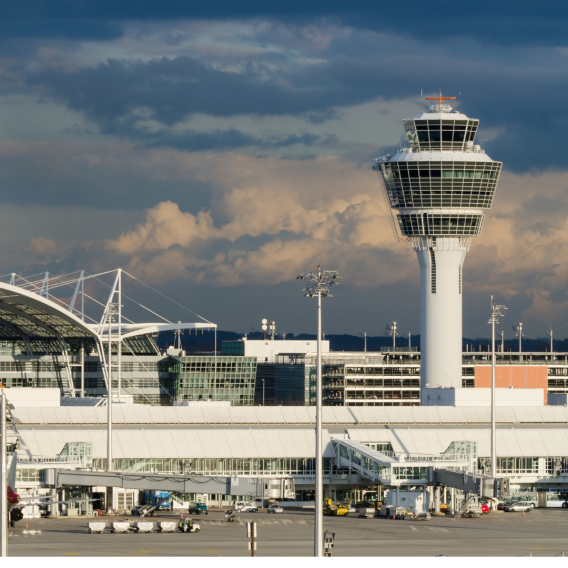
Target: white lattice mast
440 187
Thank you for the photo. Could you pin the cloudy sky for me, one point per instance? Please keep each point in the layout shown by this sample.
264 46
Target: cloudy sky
217 149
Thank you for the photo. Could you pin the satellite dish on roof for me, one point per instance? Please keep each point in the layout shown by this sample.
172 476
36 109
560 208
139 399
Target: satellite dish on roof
264 321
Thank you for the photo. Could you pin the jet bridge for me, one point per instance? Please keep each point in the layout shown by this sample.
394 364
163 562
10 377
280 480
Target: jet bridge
453 468
258 487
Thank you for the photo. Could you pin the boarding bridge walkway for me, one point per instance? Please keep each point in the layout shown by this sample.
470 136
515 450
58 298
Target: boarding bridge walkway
258 487
450 469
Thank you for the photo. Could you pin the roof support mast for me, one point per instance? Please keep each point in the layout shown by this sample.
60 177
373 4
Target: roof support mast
112 309
44 290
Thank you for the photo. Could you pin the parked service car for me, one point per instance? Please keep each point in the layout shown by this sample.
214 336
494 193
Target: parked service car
275 508
246 506
197 509
521 506
502 505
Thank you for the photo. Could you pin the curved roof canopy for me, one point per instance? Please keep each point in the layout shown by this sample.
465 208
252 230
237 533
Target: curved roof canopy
25 315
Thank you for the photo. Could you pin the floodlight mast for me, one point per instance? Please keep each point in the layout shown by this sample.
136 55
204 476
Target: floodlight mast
393 333
496 313
317 285
518 328
550 334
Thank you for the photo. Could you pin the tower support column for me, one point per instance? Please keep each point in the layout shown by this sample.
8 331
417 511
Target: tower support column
441 261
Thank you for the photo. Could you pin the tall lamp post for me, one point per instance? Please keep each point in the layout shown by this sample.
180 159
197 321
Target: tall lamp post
317 285
496 313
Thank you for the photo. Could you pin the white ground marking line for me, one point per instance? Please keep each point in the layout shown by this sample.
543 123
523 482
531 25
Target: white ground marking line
437 529
413 528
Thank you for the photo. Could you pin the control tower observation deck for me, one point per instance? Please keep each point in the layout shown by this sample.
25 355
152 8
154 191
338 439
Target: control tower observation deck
440 186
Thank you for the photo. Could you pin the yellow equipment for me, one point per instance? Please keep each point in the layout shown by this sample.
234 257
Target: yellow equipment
332 509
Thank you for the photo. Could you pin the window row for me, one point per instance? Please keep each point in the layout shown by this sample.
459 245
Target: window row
227 466
557 371
386 371
412 224
400 199
360 383
30 475
402 172
431 134
510 465
382 395
193 367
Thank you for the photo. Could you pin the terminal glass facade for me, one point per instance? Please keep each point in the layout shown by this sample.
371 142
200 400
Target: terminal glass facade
220 466
215 378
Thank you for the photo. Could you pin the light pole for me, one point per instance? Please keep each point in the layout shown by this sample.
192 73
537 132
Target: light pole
392 331
496 313
549 334
262 392
317 285
519 333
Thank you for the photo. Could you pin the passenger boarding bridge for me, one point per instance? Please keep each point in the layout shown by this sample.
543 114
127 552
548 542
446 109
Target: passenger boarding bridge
457 467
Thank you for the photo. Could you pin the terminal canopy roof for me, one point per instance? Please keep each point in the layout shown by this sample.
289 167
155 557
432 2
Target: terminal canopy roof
26 316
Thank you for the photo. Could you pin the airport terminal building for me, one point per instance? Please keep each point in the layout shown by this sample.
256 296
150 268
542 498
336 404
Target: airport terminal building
197 418
279 442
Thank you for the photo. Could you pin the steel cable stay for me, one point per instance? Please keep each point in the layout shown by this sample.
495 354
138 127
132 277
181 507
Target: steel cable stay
59 281
167 298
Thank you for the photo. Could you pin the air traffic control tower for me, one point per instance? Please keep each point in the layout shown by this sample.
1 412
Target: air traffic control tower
440 186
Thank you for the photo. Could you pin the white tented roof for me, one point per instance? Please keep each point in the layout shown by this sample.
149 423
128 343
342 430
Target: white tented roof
523 442
26 315
288 415
183 443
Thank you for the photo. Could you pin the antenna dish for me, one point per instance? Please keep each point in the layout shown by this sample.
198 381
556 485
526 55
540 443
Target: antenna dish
264 327
264 321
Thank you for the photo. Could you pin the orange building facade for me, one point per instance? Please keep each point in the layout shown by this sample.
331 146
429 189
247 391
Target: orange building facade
516 376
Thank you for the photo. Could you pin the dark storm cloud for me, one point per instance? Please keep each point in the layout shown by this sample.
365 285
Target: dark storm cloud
524 101
192 140
507 23
171 90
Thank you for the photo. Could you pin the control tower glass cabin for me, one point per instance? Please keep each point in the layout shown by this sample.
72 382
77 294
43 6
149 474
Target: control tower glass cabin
440 186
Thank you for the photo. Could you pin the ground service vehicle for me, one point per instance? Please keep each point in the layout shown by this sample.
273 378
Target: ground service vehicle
470 509
231 516
188 526
390 511
333 510
246 507
145 510
198 509
275 508
162 500
521 507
